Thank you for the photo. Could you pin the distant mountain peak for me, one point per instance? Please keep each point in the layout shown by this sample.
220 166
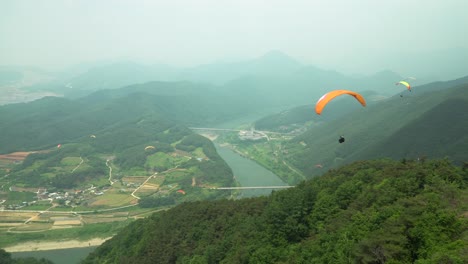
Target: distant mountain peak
277 56
385 75
275 53
272 62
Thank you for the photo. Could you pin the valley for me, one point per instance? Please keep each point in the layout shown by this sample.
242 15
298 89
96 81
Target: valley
112 199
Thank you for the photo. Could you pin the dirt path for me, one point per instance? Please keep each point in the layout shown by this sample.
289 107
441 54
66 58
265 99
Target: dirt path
36 216
78 165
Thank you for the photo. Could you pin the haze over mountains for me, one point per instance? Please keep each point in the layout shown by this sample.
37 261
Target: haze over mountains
273 68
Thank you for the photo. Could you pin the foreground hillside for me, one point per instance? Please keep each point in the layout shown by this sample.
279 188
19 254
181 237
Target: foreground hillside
5 258
378 211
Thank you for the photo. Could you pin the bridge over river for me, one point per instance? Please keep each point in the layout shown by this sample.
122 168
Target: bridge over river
236 130
249 187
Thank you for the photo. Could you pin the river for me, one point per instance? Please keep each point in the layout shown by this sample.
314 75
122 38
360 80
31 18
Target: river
58 256
246 172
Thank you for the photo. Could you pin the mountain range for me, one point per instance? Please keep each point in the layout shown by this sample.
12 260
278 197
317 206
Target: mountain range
270 69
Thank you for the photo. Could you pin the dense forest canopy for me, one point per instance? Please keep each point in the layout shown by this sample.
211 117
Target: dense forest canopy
5 258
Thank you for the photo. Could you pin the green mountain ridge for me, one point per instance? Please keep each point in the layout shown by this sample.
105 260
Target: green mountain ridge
53 120
440 85
365 129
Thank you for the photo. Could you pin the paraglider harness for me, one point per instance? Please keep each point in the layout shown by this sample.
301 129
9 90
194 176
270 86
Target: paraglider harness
341 140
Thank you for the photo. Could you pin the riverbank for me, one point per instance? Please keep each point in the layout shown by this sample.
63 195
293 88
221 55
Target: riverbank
50 245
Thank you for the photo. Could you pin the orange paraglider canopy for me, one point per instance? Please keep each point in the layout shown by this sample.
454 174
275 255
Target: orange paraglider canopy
323 101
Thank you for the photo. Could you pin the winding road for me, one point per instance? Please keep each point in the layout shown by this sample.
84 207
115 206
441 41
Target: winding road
110 172
133 193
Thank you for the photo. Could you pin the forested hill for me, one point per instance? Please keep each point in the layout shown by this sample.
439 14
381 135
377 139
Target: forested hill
189 103
379 211
431 125
50 121
153 107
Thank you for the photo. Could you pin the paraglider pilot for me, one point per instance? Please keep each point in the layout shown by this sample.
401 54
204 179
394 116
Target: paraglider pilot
341 140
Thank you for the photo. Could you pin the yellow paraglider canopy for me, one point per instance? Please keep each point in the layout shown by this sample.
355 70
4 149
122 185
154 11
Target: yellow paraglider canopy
405 84
149 147
323 101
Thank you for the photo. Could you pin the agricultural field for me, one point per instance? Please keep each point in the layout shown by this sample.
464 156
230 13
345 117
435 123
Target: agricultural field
14 197
110 199
157 180
163 161
70 163
177 176
199 154
135 180
54 225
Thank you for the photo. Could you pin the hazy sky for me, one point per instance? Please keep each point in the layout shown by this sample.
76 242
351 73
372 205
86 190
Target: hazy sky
56 33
